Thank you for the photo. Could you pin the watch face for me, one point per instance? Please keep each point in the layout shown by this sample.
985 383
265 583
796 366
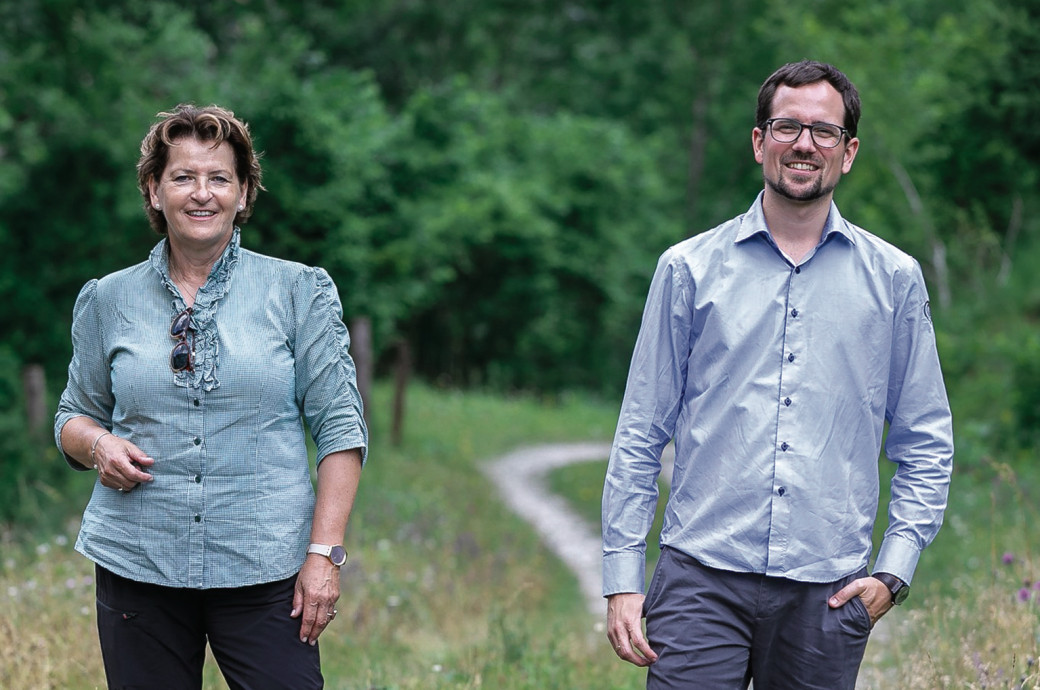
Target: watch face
900 595
338 555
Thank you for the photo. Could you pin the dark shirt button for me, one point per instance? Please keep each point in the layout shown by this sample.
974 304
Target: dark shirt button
794 314
790 358
797 269
197 440
197 478
198 518
784 446
781 491
195 402
787 401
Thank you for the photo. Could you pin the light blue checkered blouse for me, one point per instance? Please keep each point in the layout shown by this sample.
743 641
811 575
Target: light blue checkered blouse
232 500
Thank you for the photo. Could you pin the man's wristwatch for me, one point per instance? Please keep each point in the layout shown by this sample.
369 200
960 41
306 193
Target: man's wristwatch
899 589
337 554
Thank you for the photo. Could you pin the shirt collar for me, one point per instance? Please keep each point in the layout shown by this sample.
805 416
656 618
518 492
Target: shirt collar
754 223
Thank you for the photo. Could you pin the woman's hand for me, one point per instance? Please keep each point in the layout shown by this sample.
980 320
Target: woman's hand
119 463
317 590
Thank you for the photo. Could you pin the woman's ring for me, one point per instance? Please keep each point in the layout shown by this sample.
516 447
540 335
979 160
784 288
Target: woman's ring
120 489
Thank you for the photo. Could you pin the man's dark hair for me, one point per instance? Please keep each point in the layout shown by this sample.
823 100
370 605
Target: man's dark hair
804 73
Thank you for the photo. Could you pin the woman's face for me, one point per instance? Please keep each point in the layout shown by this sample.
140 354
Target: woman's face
199 194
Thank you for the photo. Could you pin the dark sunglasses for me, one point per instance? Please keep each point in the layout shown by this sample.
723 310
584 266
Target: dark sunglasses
182 357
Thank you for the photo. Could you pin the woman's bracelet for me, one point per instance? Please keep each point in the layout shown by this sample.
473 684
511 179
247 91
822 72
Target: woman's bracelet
93 447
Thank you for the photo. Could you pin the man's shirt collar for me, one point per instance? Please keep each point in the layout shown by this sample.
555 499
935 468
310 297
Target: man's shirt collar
754 223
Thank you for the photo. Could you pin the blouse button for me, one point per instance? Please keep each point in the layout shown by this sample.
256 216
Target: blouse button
787 401
794 314
790 357
784 446
197 440
197 478
198 518
195 402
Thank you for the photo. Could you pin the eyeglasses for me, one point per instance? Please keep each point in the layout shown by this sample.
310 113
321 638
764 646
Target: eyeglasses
182 357
787 131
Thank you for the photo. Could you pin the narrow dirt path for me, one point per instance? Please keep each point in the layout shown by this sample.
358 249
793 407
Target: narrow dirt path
520 477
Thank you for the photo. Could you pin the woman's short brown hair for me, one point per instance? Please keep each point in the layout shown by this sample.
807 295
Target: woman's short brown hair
210 124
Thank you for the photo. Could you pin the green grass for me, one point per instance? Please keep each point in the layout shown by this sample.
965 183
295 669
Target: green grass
445 588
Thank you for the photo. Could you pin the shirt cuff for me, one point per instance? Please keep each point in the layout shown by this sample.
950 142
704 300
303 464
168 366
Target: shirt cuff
623 572
897 557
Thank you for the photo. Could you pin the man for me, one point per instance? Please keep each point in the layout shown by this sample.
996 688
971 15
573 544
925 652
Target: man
772 350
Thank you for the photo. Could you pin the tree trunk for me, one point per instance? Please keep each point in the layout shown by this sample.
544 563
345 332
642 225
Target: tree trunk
698 146
361 350
939 265
34 383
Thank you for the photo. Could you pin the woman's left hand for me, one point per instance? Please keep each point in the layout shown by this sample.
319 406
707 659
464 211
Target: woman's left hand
317 590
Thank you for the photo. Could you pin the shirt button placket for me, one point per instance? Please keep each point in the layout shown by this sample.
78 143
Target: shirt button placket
196 501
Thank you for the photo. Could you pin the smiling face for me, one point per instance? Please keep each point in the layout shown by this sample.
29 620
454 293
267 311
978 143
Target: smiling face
801 171
199 194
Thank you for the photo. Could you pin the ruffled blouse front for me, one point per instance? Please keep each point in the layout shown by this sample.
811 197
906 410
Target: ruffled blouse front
207 300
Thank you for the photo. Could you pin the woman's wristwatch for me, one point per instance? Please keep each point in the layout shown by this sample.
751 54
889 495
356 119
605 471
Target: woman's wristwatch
337 554
899 589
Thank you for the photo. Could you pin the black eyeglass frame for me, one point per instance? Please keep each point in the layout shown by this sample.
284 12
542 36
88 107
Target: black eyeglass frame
180 329
768 124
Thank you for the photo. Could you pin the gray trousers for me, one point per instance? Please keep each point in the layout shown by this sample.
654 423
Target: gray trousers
718 630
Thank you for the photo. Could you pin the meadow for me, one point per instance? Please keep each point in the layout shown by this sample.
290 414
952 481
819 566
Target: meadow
445 588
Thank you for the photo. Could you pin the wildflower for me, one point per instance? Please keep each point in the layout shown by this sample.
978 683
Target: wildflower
1008 558
71 583
437 668
393 601
61 540
43 549
1024 594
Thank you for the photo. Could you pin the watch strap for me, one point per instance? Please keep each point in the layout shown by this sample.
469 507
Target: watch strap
320 549
899 589
336 554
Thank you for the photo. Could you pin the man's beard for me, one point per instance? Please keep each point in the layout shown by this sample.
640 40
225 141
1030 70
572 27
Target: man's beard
814 192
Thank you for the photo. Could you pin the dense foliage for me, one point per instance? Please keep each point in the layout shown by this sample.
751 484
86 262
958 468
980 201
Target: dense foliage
493 180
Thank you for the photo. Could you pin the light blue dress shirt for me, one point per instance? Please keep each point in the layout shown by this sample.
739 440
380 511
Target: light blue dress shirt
231 502
775 381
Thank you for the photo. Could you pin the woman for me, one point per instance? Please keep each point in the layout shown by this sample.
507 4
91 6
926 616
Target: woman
191 377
